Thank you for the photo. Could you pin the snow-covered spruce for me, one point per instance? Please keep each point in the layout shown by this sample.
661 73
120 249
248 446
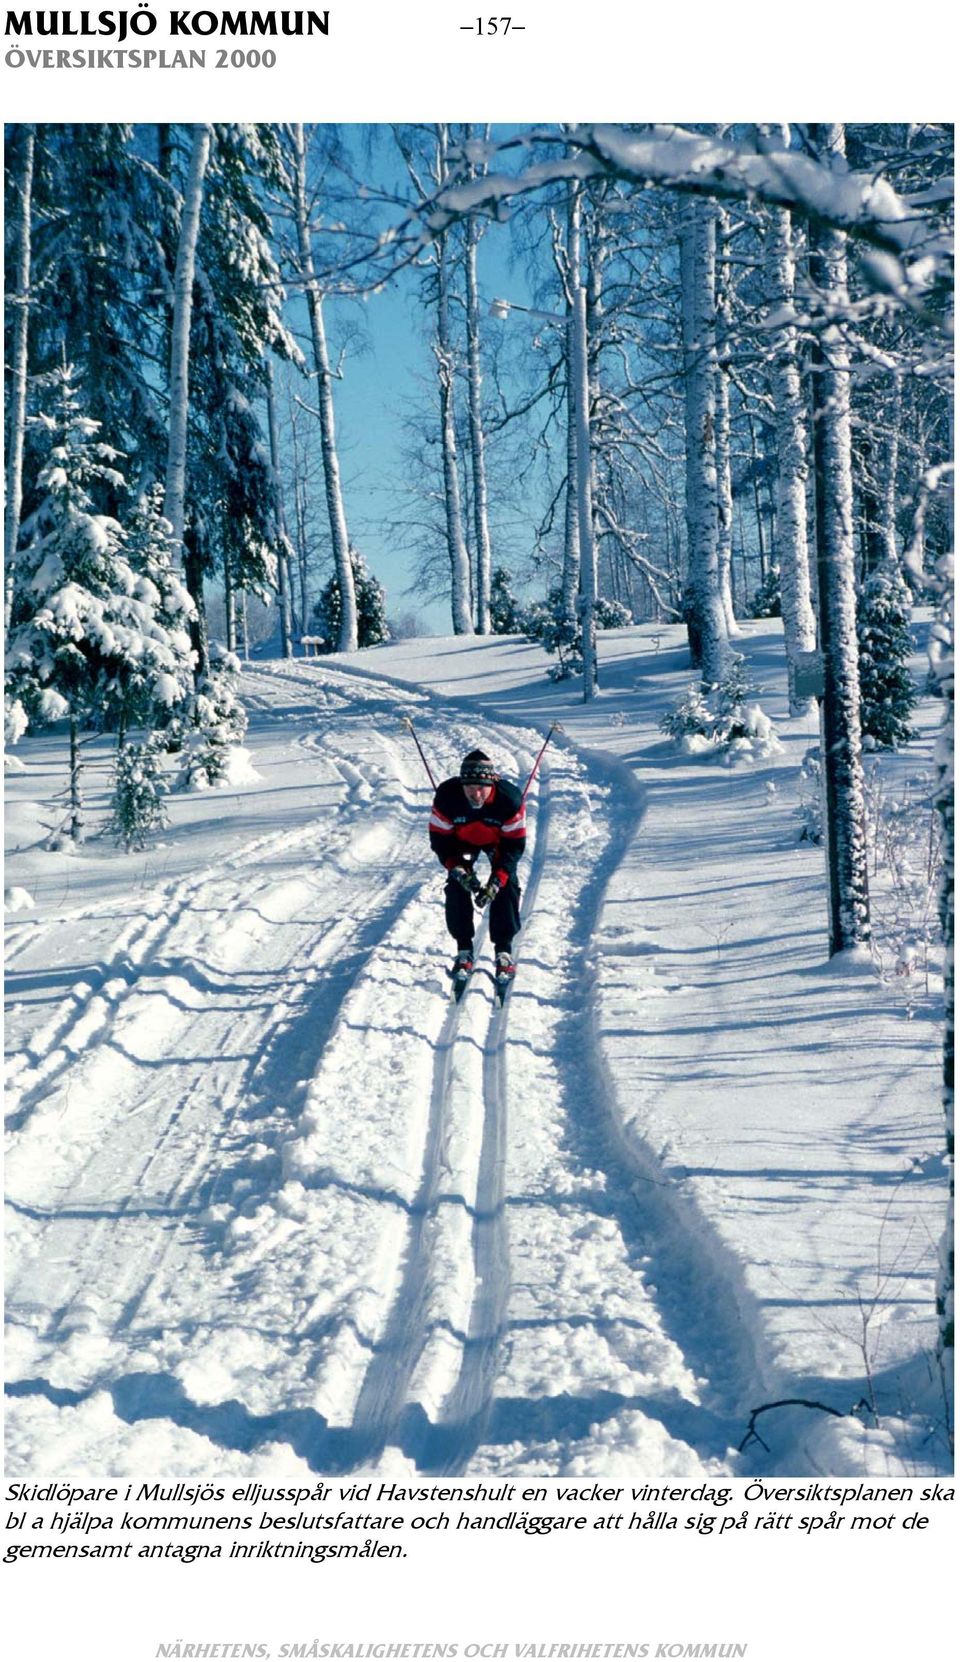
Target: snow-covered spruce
99 621
371 603
722 721
138 804
561 635
887 691
211 729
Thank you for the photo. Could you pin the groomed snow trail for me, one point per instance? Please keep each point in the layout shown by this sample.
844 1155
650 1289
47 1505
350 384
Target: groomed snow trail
267 1184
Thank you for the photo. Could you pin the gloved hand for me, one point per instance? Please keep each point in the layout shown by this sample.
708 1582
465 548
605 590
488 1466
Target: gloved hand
483 896
467 879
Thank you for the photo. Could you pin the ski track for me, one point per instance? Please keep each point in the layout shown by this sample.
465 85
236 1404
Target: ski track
430 1242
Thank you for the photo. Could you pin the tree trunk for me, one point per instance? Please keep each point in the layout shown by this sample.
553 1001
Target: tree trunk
300 517
328 435
303 552
20 302
571 527
245 626
229 601
76 799
706 622
175 494
845 836
799 624
724 481
193 563
944 802
889 458
757 509
579 373
456 541
481 518
283 542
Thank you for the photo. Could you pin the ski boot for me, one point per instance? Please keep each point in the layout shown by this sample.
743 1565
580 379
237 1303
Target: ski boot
504 973
461 972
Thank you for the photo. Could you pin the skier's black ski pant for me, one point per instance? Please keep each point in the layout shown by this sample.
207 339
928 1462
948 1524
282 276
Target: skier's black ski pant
504 915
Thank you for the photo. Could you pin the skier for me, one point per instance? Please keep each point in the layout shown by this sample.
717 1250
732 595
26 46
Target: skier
476 813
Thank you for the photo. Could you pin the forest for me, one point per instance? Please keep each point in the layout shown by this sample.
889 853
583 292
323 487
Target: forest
726 393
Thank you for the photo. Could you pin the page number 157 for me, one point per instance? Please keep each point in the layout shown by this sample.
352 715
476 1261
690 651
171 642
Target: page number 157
492 26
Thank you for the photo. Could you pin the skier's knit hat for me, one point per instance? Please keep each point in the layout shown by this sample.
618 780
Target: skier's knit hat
477 769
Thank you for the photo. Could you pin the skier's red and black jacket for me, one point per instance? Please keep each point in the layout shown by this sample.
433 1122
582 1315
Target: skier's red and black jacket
458 832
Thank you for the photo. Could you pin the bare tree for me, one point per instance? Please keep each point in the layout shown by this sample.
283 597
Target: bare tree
446 374
799 624
481 515
724 480
579 373
175 493
325 409
708 628
20 302
283 541
844 829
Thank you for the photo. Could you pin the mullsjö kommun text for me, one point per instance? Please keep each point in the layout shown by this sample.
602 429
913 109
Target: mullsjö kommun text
143 22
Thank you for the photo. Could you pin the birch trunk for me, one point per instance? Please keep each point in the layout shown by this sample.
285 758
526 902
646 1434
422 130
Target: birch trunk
481 517
283 542
570 573
328 433
724 480
725 506
571 528
20 301
844 826
175 493
707 626
303 553
443 349
799 624
579 371
944 801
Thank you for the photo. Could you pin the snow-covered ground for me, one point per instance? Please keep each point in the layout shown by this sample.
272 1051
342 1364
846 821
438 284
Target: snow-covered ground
274 1203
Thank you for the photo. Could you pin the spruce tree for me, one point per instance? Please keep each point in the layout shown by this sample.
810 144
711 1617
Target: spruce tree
887 691
372 629
93 638
505 609
236 323
767 599
139 789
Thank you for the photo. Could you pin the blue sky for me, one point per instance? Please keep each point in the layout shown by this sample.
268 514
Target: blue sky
377 382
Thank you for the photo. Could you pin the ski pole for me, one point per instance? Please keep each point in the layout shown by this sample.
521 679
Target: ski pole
554 728
406 722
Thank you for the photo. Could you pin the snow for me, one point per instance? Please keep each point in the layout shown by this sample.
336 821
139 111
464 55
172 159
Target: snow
274 1204
17 900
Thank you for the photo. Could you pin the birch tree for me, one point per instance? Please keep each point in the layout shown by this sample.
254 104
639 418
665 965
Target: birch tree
708 630
844 825
724 480
176 481
283 541
481 512
19 301
579 372
336 511
792 433
446 375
